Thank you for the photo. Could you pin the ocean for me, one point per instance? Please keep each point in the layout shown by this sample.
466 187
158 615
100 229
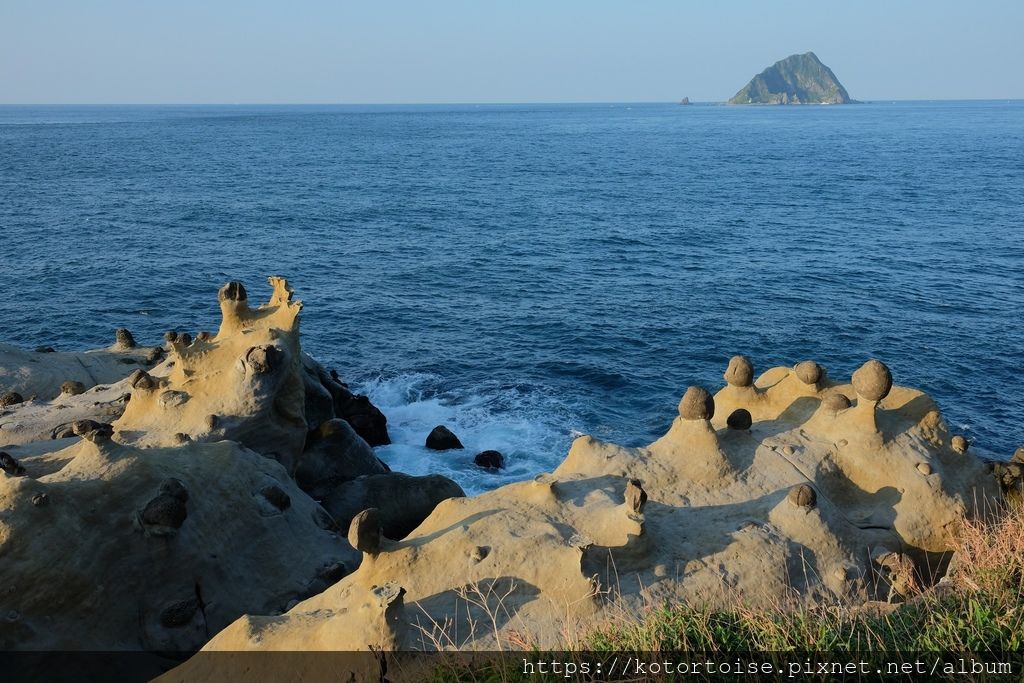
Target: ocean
528 273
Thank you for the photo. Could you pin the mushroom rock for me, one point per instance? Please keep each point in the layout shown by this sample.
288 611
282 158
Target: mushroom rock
872 381
691 446
808 372
740 372
799 509
124 339
696 404
365 532
124 548
249 375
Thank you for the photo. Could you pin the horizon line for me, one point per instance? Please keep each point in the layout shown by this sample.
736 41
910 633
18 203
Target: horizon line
481 103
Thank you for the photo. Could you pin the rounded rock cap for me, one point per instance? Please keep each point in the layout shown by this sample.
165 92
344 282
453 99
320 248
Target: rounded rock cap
233 291
803 496
697 404
808 372
959 444
365 531
873 381
740 372
835 401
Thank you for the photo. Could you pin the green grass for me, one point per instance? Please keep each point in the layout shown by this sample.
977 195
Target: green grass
979 608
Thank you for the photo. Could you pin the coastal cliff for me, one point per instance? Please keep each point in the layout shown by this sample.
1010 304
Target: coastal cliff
797 79
216 497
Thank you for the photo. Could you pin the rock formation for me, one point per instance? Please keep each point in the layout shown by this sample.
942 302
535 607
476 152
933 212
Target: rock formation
793 486
151 496
797 79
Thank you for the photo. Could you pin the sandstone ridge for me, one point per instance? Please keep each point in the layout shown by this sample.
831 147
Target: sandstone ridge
788 487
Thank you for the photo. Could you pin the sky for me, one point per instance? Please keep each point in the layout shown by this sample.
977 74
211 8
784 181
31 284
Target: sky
426 51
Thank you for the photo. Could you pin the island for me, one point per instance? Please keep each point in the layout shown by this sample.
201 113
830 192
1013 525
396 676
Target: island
797 79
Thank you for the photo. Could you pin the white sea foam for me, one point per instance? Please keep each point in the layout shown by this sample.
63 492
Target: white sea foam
530 428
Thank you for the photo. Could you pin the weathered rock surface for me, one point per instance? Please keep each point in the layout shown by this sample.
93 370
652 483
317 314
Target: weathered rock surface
807 502
109 546
39 375
153 508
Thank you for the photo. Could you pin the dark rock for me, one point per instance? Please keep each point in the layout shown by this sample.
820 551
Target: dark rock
334 453
10 398
72 388
179 613
491 460
174 488
403 501
364 417
442 439
165 510
11 466
212 421
203 335
170 336
185 339
45 349
1018 455
276 496
323 519
739 419
635 496
41 500
332 573
365 532
697 404
959 444
154 355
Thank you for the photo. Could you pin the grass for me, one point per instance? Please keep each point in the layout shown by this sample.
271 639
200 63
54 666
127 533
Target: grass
979 607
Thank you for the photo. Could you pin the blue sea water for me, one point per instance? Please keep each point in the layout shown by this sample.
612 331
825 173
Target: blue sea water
527 273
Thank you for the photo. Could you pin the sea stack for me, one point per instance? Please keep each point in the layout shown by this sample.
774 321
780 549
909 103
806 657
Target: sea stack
797 79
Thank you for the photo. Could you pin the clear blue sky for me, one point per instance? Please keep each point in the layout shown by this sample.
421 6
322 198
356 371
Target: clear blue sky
379 51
